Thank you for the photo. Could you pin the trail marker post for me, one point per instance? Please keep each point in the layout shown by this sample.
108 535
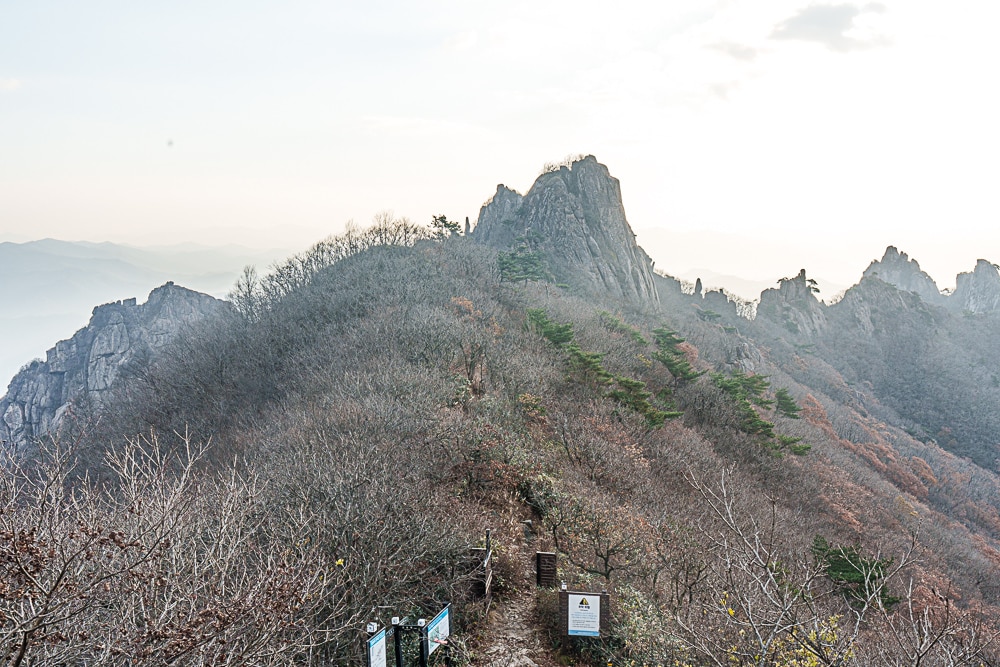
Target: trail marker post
545 569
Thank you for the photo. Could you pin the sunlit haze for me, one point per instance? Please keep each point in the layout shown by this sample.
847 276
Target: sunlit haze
750 138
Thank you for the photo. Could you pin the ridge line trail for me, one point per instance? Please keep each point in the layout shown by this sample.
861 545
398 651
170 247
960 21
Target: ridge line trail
513 634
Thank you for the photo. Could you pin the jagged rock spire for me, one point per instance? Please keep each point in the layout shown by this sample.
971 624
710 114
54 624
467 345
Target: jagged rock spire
978 291
794 305
574 216
897 269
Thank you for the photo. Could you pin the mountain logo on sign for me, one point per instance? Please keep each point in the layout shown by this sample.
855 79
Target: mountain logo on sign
584 603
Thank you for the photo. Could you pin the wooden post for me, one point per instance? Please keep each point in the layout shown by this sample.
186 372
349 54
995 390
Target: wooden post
545 569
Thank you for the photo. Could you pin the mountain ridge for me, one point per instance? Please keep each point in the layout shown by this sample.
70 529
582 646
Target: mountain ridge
381 400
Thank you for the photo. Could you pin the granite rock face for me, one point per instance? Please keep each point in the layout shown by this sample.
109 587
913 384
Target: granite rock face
896 268
794 305
86 365
574 217
977 292
496 225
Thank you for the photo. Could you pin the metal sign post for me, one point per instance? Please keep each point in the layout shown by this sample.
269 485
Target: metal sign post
430 635
397 627
402 626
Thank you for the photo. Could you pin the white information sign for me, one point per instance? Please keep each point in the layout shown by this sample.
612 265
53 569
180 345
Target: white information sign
438 630
376 650
585 614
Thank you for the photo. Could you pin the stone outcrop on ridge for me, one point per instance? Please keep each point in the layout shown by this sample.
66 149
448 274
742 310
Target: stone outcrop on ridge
574 217
85 366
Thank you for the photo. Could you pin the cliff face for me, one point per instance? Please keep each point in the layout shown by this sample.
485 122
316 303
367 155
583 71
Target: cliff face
896 268
976 292
979 291
793 304
575 218
86 365
497 219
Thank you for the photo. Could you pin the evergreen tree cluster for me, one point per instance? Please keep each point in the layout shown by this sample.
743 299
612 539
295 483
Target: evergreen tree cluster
588 368
522 264
668 353
859 578
748 391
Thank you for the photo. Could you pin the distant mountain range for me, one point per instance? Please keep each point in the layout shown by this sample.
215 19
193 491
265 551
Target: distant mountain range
750 289
50 287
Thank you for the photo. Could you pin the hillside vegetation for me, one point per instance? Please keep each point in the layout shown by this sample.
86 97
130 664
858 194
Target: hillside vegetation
327 452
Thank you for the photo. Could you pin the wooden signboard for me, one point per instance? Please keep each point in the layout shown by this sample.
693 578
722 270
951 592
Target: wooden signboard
545 569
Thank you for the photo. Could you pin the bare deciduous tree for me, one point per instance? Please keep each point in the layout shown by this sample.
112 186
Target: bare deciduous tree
157 563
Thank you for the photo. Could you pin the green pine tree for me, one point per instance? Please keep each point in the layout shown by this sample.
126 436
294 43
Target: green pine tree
786 405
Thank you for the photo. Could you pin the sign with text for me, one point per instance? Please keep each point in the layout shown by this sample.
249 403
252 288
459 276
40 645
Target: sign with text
438 630
376 650
583 614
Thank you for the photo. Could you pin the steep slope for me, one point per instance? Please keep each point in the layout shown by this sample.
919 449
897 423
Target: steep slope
440 385
930 358
936 368
84 368
575 217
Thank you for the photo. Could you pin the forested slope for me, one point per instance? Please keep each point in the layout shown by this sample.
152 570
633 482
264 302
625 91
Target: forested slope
326 454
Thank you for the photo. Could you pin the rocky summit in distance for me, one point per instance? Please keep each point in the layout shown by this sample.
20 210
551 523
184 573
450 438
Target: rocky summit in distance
86 365
573 217
976 292
896 268
794 305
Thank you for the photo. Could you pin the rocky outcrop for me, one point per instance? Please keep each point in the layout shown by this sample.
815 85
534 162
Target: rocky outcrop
896 268
86 365
977 292
874 307
793 305
574 217
497 223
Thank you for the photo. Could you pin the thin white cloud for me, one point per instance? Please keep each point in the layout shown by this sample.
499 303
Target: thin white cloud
839 27
738 51
9 85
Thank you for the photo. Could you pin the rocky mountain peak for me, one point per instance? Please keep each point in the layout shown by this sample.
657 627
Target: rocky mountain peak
495 225
794 305
574 216
978 291
896 268
85 366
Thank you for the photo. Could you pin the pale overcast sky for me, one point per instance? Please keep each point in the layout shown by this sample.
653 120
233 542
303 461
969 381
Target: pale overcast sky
753 137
